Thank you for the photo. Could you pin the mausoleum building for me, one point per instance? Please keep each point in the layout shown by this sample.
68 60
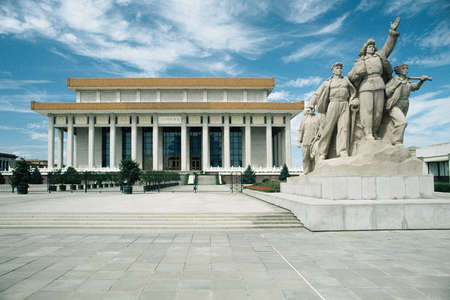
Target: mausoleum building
185 124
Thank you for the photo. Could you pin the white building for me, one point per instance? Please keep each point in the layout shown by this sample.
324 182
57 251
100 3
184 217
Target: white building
436 161
209 124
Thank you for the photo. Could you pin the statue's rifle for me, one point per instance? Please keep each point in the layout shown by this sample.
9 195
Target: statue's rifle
419 78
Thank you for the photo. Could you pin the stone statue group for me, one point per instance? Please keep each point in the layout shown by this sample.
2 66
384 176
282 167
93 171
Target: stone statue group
368 104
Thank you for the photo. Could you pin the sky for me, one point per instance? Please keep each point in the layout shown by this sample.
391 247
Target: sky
44 42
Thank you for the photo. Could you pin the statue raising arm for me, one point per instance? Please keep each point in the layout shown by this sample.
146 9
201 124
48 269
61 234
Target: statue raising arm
391 40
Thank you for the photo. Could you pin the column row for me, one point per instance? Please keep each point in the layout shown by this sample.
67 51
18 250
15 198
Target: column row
156 156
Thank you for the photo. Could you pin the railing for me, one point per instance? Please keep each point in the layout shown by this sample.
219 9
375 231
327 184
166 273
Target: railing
257 170
236 182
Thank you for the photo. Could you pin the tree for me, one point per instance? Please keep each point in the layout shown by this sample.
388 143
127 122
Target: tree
249 175
2 179
284 173
36 177
129 172
72 176
20 176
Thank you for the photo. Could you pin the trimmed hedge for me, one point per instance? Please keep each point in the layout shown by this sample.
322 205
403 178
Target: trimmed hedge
442 187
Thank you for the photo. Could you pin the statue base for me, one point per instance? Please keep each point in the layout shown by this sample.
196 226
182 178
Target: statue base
382 188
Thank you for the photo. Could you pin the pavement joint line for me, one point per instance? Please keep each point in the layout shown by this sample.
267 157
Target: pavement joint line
298 272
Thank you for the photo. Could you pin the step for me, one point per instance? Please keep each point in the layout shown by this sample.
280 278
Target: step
150 220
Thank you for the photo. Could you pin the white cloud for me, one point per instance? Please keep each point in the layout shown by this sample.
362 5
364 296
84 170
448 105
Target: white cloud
34 135
438 37
428 121
304 11
366 5
301 82
311 50
176 32
333 27
11 84
410 8
436 60
281 95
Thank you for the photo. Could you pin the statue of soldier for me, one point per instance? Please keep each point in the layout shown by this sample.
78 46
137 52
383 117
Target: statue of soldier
369 75
308 130
332 99
397 104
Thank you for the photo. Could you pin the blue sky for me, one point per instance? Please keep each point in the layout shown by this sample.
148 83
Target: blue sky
44 42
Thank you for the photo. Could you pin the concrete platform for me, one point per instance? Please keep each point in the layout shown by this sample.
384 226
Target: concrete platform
328 215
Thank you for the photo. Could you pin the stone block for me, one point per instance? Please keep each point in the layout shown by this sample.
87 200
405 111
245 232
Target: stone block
325 217
195 119
426 185
368 188
412 187
354 188
383 186
358 217
313 190
397 186
388 216
80 120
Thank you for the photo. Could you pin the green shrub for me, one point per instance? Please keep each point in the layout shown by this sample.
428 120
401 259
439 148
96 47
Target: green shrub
249 176
2 179
130 172
284 173
265 180
71 176
20 175
442 187
36 177
186 179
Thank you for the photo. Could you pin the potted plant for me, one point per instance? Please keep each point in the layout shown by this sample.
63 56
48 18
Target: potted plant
248 176
36 177
20 177
284 174
129 174
72 177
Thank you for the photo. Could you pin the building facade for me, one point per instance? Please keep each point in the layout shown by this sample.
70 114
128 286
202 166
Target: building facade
7 161
436 161
185 124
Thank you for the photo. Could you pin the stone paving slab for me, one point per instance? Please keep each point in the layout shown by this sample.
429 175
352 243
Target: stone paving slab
295 264
115 202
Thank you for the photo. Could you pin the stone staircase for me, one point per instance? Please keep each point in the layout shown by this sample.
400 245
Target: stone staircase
174 221
206 179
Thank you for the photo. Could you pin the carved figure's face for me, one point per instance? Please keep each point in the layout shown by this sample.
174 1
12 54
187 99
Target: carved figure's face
404 70
337 70
370 49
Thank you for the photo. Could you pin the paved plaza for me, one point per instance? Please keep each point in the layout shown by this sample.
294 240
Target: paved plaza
248 264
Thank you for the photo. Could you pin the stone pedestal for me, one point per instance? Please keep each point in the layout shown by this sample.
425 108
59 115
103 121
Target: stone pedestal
380 189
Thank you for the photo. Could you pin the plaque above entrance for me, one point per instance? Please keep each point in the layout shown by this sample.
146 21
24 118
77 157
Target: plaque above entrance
168 120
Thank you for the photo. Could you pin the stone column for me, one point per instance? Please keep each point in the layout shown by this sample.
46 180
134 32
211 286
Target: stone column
287 136
183 145
112 142
205 144
69 152
226 142
75 151
60 148
155 146
51 142
133 138
269 163
248 142
91 140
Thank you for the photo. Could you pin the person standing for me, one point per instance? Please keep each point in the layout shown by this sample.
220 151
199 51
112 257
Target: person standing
308 130
397 104
369 75
333 100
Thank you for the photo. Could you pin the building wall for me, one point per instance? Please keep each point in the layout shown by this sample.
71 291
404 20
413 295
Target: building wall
172 95
82 147
258 136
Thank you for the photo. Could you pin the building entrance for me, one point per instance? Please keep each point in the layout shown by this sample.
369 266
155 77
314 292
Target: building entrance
172 148
195 148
